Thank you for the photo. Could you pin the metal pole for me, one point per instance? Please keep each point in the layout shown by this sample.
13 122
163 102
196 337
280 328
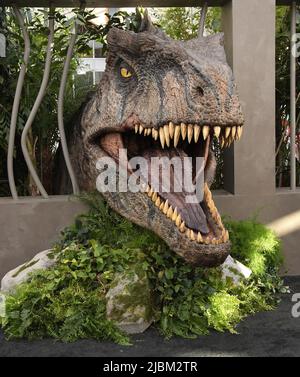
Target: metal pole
293 101
202 20
15 109
37 104
60 107
94 72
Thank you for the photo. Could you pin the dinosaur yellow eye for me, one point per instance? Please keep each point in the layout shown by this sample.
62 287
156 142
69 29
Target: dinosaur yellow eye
125 73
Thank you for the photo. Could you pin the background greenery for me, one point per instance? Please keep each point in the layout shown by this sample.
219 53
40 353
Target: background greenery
179 23
283 40
43 140
67 302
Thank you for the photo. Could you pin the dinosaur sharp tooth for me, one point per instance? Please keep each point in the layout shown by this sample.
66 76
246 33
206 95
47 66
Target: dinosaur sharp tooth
176 136
167 135
205 132
175 214
183 130
145 131
161 207
178 221
182 227
162 137
215 213
233 131
239 132
141 129
197 130
227 132
199 238
136 127
147 188
192 236
157 202
217 131
207 240
166 207
190 132
170 212
219 221
150 193
188 232
154 197
149 131
171 130
154 134
207 193
226 235
222 141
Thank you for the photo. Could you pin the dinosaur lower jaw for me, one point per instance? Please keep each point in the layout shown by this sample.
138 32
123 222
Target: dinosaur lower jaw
216 234
199 222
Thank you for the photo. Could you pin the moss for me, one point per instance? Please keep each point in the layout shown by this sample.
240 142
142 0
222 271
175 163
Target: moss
134 300
24 267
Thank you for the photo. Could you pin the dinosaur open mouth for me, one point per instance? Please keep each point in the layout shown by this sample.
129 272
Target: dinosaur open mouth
200 222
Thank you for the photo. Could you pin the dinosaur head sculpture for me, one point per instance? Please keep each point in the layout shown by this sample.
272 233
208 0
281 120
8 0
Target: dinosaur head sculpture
163 98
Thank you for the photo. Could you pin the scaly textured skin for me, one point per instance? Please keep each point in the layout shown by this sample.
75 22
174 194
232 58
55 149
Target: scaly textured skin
176 81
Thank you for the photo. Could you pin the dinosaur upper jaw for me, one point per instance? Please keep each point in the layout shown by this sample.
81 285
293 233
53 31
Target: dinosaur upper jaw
197 227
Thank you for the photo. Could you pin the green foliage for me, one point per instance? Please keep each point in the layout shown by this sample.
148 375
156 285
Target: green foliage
249 237
60 307
44 138
223 312
283 113
67 302
183 23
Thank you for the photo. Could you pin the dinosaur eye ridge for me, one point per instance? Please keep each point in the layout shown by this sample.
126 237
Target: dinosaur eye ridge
126 73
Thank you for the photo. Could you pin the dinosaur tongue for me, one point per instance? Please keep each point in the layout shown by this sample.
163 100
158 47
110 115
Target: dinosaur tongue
191 213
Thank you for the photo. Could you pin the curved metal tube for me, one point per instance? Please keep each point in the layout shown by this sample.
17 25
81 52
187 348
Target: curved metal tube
15 109
202 20
60 107
36 106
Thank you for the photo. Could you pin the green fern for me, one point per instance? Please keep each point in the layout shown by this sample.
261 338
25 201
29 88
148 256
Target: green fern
67 302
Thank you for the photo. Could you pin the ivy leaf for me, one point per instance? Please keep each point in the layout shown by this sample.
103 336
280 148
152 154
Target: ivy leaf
169 274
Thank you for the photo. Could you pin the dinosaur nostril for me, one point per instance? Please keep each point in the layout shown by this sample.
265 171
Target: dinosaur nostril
200 91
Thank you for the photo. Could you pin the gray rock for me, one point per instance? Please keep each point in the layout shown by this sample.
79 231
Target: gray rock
234 270
2 305
21 273
2 46
129 302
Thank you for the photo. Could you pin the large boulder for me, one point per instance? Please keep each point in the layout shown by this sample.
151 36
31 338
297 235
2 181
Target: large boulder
129 302
21 273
